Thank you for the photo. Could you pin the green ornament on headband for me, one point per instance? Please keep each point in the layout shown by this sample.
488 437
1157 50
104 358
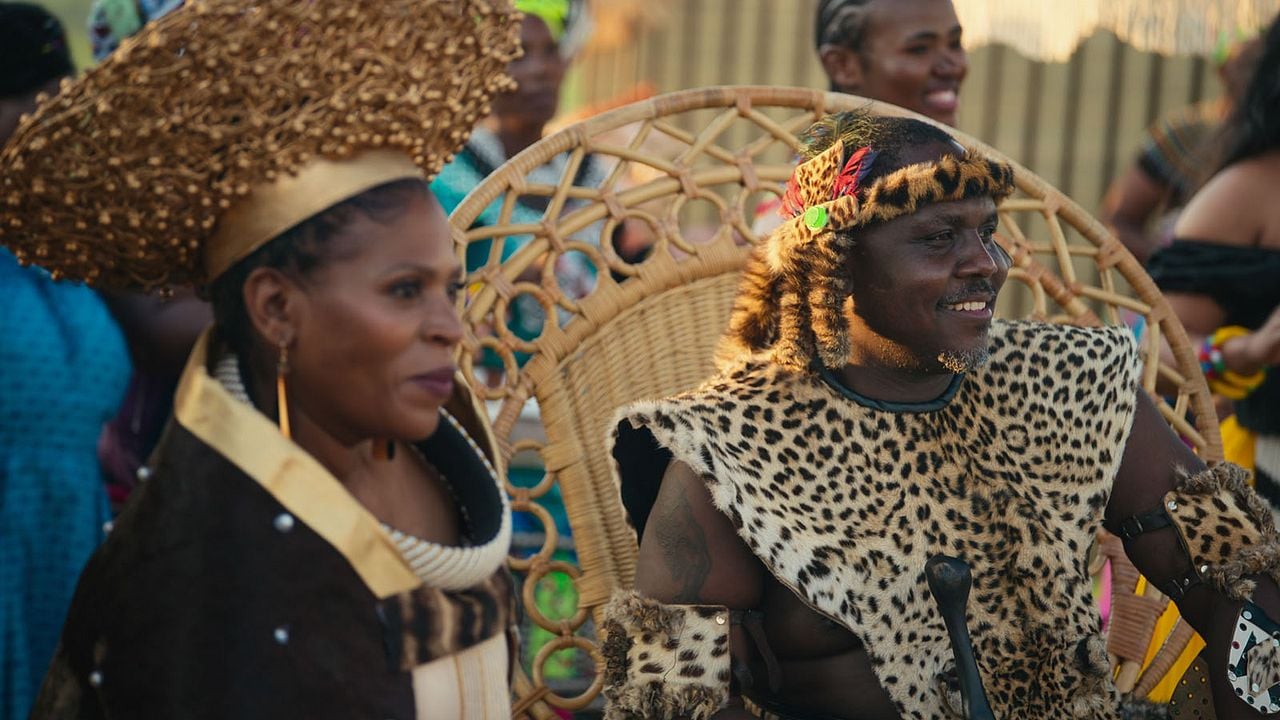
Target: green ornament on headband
552 12
816 217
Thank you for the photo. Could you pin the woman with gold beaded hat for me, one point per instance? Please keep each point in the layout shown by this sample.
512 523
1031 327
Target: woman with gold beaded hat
323 531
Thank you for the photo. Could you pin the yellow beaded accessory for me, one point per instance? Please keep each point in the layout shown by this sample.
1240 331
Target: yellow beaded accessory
224 123
1224 382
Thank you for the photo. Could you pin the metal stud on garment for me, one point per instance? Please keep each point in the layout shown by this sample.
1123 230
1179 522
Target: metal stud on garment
143 474
95 678
281 634
283 522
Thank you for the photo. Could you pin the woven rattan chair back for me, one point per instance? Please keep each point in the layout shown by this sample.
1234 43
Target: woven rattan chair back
690 168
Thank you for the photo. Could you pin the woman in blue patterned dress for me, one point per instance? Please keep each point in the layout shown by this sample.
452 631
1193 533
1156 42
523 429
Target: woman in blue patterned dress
63 370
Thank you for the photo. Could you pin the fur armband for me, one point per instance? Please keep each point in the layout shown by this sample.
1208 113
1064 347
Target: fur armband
1226 528
664 661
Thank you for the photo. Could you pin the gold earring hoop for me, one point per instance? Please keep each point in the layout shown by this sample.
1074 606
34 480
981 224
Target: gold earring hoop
282 399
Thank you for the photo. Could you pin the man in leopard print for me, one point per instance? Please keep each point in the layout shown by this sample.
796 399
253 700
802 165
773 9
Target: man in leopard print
869 414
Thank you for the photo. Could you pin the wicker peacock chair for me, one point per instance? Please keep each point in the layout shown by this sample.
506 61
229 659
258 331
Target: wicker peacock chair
649 329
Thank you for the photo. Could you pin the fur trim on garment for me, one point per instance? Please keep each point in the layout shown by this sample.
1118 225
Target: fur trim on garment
1226 528
664 661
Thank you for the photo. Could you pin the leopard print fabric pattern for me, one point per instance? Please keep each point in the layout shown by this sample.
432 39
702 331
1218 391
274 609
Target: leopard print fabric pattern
845 503
1226 528
664 661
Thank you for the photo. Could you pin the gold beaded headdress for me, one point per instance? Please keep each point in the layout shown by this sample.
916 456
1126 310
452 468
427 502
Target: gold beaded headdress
226 122
794 292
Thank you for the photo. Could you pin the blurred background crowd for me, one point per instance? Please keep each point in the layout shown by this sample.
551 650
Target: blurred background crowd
1125 106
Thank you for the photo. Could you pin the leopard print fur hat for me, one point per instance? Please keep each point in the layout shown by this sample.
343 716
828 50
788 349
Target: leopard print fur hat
794 297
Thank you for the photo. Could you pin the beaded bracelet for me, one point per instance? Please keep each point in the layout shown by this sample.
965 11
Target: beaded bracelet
1224 382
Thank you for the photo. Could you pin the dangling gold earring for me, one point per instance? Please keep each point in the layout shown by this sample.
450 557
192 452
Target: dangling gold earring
282 399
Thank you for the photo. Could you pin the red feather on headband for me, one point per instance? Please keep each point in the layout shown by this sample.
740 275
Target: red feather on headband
792 201
846 183
854 171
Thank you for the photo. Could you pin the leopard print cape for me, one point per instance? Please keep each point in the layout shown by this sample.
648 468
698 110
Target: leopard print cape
845 503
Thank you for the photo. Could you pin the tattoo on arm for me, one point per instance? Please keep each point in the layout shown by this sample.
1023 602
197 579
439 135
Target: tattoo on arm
684 547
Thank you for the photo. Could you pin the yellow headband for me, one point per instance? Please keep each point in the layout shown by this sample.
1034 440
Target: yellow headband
271 208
